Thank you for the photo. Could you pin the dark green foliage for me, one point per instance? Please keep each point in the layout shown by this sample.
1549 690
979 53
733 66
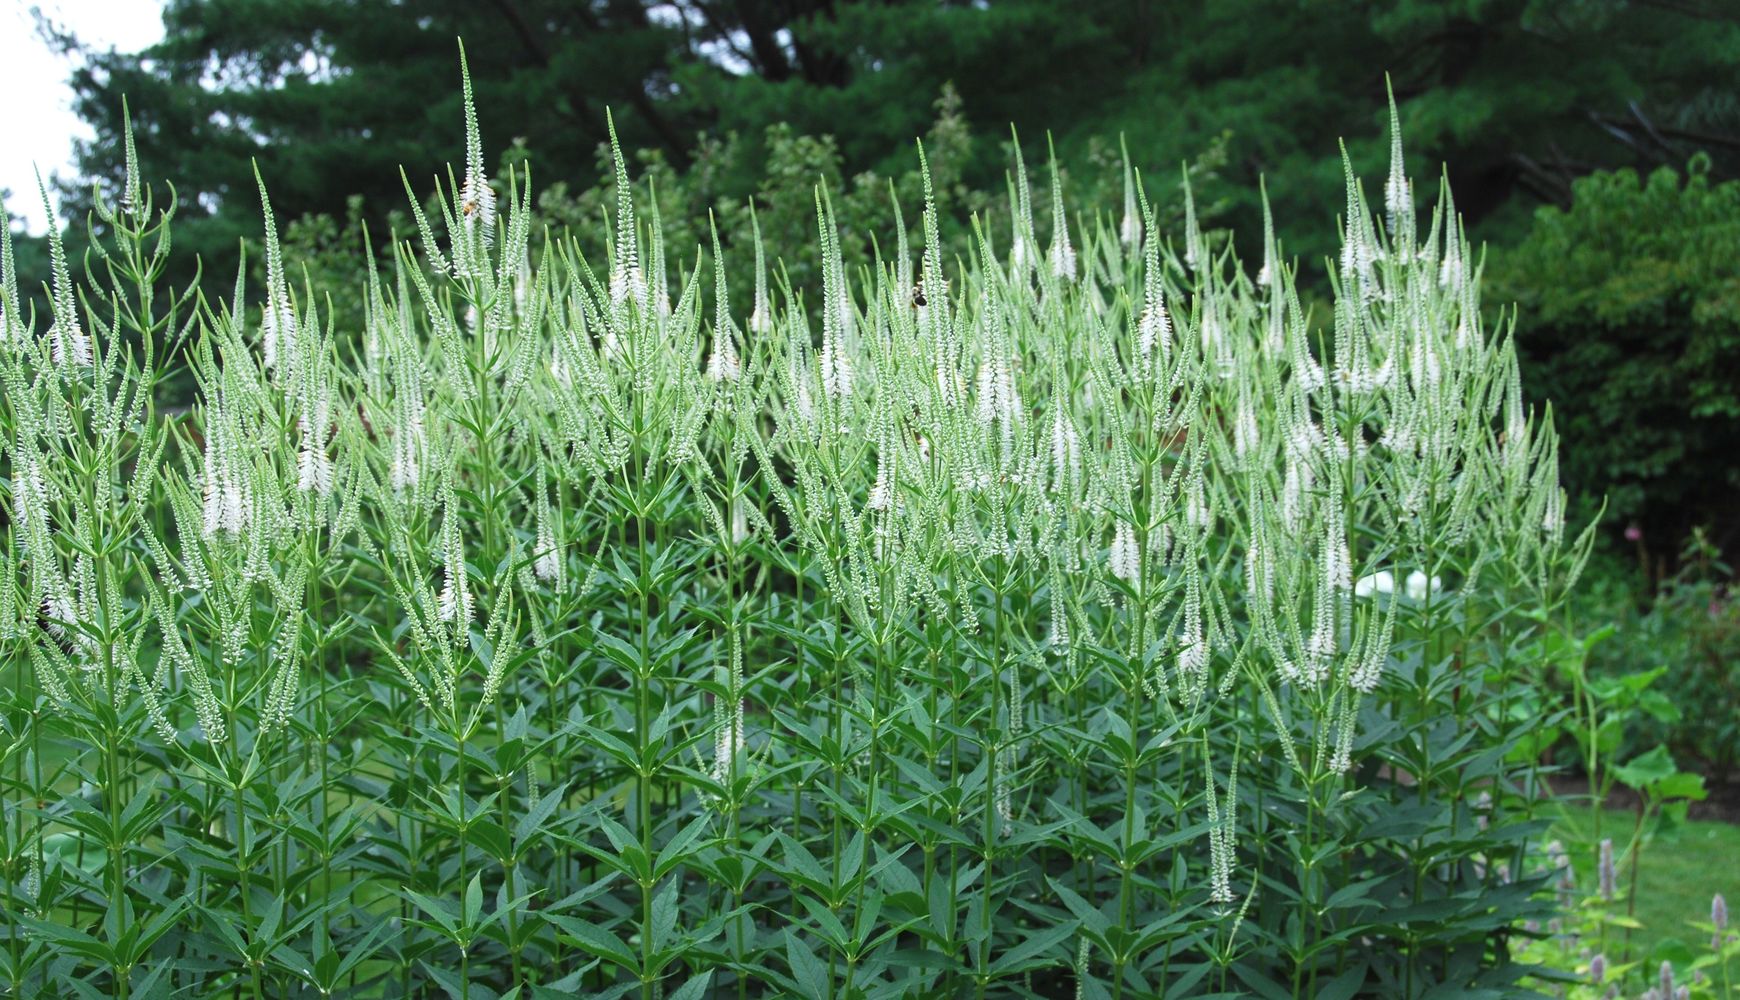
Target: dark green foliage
1629 319
366 853
1689 634
333 97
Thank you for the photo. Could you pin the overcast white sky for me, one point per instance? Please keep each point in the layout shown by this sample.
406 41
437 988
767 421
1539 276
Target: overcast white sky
37 115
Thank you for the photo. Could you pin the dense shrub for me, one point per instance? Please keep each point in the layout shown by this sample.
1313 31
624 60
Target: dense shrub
1629 318
1688 636
1070 616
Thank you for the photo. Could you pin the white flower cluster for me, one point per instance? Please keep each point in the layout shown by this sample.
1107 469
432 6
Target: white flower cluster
1102 450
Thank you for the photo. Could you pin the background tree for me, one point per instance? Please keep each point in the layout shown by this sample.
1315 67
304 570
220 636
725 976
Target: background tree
1523 96
333 98
1631 305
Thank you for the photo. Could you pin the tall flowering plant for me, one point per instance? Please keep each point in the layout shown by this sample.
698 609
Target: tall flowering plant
1084 615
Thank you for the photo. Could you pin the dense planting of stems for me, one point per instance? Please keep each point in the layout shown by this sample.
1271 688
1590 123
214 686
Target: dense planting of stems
1087 617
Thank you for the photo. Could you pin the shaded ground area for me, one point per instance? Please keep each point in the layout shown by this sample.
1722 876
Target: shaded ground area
1722 805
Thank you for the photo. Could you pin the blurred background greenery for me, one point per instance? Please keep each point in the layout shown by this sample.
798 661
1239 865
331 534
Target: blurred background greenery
1593 146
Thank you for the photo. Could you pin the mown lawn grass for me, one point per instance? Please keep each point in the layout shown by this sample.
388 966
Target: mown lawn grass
1682 864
